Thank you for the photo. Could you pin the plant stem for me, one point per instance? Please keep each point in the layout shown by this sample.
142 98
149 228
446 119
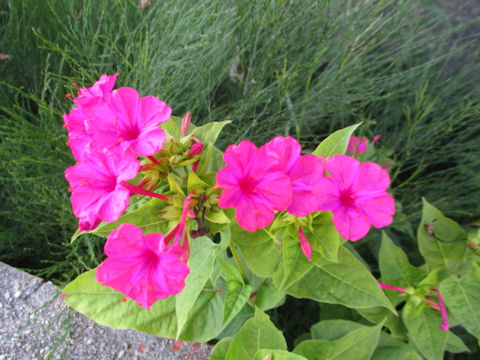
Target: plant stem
272 237
239 263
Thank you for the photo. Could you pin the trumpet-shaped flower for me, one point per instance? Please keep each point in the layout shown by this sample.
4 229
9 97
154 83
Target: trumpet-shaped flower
141 266
253 184
356 195
357 145
96 186
129 122
304 171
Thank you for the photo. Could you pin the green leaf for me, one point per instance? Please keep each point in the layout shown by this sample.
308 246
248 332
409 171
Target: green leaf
394 266
208 133
336 143
211 161
441 241
104 305
146 217
221 348
378 314
424 330
390 348
455 344
333 329
195 183
172 127
201 264
345 282
235 300
324 238
238 321
257 333
204 319
461 296
232 275
259 251
269 296
358 344
217 217
267 354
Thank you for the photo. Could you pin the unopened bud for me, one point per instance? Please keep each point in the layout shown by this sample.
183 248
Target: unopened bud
185 123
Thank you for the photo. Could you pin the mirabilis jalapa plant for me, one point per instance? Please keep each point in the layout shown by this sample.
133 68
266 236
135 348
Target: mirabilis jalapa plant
200 243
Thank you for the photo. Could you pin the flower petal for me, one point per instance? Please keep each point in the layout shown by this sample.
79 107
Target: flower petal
351 225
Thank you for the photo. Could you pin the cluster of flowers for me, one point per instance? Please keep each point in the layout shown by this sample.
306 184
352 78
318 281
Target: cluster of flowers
358 145
107 131
275 177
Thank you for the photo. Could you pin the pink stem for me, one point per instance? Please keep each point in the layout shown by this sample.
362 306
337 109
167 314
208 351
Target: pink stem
443 310
138 190
153 160
385 286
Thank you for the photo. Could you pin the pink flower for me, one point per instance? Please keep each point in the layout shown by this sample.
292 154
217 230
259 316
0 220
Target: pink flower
129 122
100 91
357 145
186 120
304 244
197 147
78 138
376 138
356 195
141 266
96 186
304 172
253 184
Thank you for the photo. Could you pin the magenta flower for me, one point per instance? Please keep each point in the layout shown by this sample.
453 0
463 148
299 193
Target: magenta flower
304 244
355 194
141 266
96 186
357 145
376 138
78 138
129 122
305 171
253 185
100 91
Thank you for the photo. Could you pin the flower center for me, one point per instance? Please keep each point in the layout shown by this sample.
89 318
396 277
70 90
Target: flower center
347 199
247 184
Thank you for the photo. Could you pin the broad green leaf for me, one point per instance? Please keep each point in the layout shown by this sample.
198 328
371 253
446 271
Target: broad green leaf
378 314
238 321
232 276
331 330
268 354
235 300
336 311
221 348
172 127
204 319
257 333
104 305
455 344
390 348
441 241
201 264
345 282
394 266
324 237
217 217
268 296
462 298
208 133
211 161
424 331
336 143
358 344
146 217
259 251
195 183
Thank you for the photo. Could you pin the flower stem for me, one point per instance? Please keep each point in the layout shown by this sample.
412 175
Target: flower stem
239 263
138 190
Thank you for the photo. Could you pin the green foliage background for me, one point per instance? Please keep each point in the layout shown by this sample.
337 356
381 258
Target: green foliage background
407 69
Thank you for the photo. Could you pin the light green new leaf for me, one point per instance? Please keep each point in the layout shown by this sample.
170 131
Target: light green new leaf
441 241
232 276
345 282
235 300
336 143
261 254
462 296
172 127
104 305
146 217
221 348
391 348
257 333
424 330
201 264
267 354
358 344
208 133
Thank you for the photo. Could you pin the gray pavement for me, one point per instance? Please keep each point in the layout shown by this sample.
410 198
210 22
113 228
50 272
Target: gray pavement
36 324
